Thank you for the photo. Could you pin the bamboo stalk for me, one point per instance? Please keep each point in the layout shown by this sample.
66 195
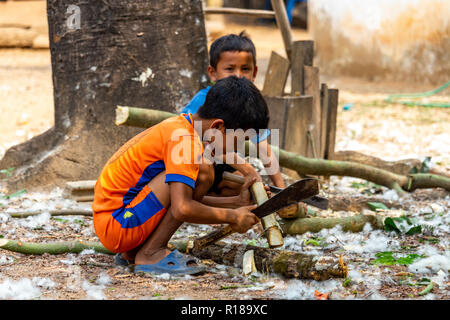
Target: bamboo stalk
140 117
51 247
272 229
314 225
70 212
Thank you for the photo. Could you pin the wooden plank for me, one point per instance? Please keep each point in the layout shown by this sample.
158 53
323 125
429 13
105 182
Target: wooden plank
302 55
284 25
277 111
324 118
276 76
312 88
298 110
333 102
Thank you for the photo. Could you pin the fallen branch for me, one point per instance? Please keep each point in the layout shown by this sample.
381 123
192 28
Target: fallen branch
51 247
402 167
314 225
145 118
286 263
24 214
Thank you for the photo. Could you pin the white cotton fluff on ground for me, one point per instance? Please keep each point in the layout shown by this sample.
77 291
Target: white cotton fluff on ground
431 264
41 220
23 289
5 260
304 290
95 291
44 283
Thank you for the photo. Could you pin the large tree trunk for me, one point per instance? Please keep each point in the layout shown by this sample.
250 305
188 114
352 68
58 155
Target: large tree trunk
150 54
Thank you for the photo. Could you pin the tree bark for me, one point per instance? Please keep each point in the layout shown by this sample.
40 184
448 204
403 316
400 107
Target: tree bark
147 53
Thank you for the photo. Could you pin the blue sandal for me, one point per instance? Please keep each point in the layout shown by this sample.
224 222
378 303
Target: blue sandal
174 264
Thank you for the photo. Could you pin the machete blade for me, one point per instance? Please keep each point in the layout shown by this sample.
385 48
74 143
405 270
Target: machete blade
296 192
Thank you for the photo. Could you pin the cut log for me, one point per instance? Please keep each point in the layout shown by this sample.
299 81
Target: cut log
314 225
289 264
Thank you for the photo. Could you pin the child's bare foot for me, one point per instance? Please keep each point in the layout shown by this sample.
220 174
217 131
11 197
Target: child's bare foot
151 257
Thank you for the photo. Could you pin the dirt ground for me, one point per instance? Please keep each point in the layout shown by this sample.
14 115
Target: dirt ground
365 123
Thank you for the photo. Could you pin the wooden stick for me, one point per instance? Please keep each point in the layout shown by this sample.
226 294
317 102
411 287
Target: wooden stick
241 12
284 25
24 214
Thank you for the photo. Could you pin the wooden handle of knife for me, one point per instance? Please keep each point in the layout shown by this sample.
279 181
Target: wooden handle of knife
212 237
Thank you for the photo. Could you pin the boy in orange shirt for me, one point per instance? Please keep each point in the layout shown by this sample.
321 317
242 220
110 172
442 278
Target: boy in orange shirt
235 55
157 181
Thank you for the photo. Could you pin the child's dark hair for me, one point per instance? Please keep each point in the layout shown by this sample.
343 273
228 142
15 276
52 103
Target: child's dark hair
238 103
231 42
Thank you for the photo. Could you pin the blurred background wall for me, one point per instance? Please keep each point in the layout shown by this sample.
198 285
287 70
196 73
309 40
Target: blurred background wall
382 39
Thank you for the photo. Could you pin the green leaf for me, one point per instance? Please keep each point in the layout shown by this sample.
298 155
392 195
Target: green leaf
427 289
410 258
376 206
389 225
414 230
387 258
347 282
314 242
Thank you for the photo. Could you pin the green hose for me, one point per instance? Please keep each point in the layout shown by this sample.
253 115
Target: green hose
394 98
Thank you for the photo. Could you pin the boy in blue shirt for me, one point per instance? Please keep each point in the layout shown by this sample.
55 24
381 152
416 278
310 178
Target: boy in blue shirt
234 55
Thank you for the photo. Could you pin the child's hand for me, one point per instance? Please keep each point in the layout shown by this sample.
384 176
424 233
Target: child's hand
245 219
244 198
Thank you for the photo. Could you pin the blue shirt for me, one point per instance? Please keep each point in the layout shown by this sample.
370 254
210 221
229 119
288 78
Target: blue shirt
199 99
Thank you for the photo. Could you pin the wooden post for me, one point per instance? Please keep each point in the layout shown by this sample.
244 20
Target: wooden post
292 116
333 97
324 118
302 55
276 76
284 25
312 88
